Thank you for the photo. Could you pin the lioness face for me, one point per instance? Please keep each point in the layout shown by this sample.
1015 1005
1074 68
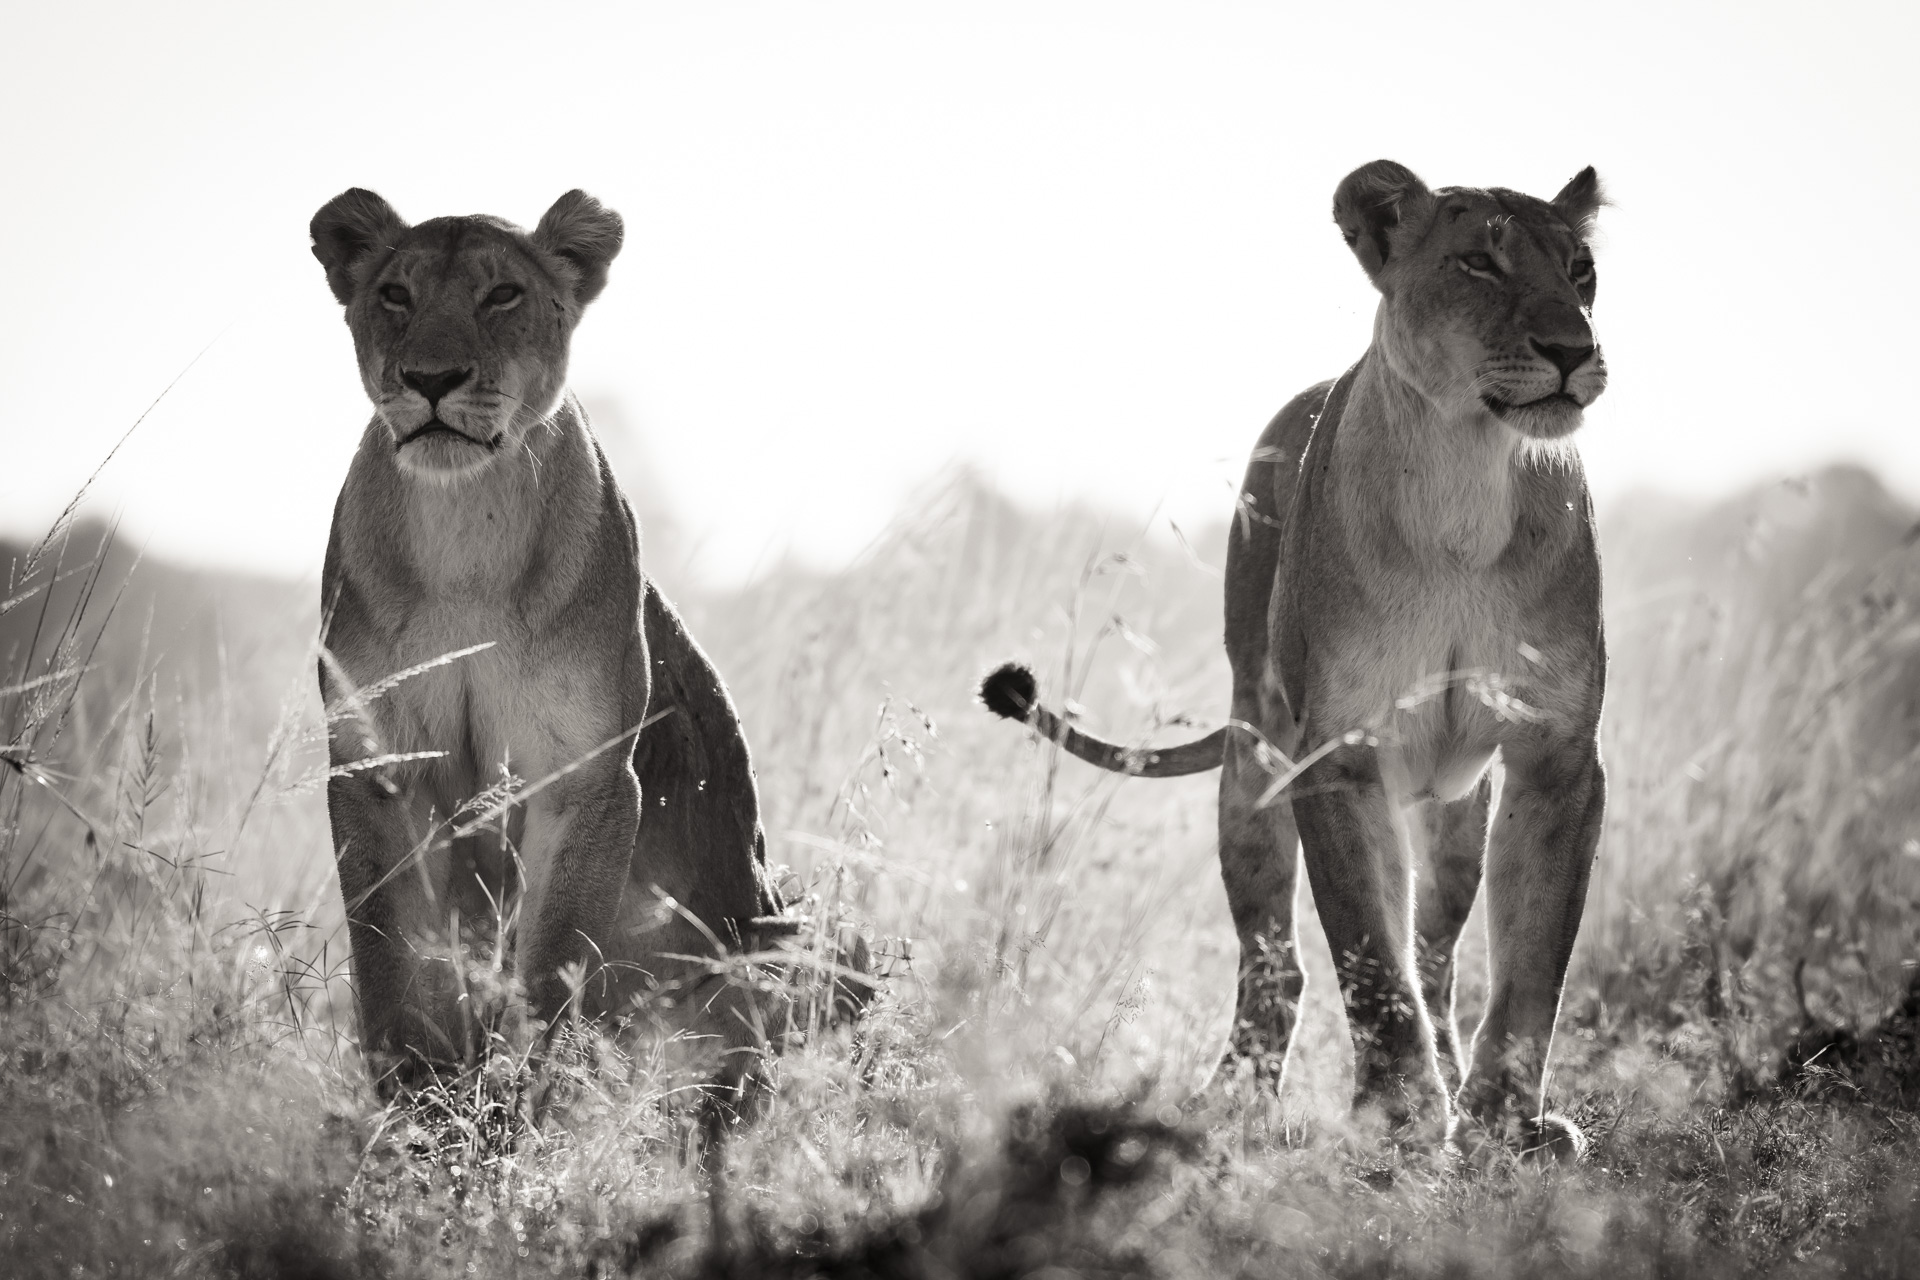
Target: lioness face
462 325
1486 296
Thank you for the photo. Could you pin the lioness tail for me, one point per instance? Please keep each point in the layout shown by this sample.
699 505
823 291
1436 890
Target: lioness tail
1011 691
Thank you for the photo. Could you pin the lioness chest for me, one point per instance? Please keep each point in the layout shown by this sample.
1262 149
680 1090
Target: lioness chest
463 570
524 707
1444 659
1443 680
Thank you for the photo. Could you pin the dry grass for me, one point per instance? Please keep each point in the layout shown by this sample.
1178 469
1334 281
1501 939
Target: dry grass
179 1092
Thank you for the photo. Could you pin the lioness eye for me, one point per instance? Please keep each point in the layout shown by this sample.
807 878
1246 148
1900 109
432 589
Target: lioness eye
1478 262
503 294
395 295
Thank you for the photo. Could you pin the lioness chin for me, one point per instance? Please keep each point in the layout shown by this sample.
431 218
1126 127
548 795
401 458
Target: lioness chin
1413 589
480 515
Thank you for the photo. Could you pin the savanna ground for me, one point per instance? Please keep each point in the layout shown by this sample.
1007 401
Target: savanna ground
180 1092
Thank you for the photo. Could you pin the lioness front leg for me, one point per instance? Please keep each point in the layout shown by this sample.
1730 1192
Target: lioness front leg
1259 862
1363 885
409 1018
1538 860
577 850
1448 878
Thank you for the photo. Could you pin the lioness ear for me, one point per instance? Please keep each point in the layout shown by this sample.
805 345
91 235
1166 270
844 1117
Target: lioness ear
585 234
346 229
1579 202
1375 207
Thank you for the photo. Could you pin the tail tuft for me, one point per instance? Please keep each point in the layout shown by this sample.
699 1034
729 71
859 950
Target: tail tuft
1010 691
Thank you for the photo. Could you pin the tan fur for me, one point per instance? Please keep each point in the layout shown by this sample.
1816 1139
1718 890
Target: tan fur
502 526
1412 590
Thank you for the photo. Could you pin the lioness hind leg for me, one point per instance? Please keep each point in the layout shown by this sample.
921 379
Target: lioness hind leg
1259 862
1448 880
1363 886
700 834
1538 860
698 894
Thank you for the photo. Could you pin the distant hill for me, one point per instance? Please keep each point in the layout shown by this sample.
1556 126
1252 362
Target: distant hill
962 558
214 637
1757 552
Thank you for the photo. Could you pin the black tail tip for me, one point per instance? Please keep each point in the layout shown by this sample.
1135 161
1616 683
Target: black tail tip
1010 691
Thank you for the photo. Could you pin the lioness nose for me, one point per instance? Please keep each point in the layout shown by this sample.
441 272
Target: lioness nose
1565 359
435 385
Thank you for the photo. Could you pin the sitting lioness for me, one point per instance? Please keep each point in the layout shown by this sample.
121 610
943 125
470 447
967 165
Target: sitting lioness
480 512
1412 588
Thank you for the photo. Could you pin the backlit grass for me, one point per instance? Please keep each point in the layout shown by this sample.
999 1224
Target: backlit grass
180 1092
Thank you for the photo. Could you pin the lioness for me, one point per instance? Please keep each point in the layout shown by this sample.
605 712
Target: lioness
1412 586
479 511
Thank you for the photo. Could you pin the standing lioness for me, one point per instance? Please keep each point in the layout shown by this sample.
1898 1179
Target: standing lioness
1413 587
479 511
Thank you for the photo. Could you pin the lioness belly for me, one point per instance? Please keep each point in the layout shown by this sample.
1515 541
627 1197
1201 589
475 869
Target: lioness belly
1440 682
516 706
505 716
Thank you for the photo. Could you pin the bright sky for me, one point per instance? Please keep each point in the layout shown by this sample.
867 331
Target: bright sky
1083 246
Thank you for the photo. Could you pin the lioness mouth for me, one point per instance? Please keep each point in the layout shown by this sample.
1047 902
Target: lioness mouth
433 426
1501 408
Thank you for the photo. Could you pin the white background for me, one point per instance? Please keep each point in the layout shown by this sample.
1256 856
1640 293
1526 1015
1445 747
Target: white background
1085 247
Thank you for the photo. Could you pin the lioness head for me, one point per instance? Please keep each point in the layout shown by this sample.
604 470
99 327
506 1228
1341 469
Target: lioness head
1486 296
462 325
